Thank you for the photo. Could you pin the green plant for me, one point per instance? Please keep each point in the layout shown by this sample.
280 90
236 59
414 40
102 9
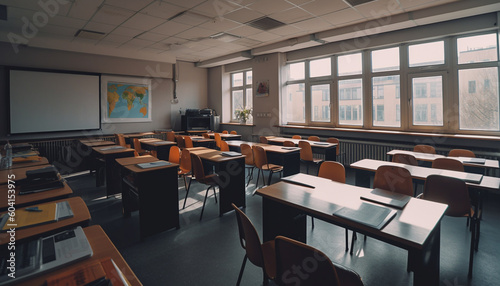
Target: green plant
243 114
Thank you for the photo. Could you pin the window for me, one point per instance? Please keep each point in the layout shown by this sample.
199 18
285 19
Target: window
352 97
321 67
386 95
295 106
350 64
380 112
426 54
320 98
420 113
241 92
385 60
421 102
482 48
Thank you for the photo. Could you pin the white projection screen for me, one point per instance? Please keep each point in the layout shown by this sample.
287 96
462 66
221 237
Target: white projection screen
42 101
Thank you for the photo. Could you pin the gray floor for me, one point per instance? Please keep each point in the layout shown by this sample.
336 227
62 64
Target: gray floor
209 253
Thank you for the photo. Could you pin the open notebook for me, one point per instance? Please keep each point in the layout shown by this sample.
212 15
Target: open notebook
44 254
367 214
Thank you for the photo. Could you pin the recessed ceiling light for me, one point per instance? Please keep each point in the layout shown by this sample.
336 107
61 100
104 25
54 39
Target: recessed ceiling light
87 34
225 37
265 23
353 3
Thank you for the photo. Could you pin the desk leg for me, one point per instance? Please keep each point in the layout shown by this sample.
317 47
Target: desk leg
231 184
163 152
280 219
362 178
331 154
425 262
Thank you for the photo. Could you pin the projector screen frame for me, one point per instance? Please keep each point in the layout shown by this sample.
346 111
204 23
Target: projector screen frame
53 71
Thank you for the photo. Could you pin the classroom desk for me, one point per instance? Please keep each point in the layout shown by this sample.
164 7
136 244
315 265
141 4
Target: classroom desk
203 142
325 148
161 147
96 143
108 156
153 192
285 206
81 217
102 247
226 137
33 198
30 163
196 132
289 159
231 172
19 173
130 137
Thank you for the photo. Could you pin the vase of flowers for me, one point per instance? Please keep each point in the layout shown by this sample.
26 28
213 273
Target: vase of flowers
243 114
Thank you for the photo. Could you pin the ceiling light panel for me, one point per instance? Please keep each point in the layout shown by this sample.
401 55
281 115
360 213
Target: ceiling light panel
87 34
265 23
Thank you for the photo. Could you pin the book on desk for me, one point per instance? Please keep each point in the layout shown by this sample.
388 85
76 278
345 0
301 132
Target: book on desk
367 214
39 180
36 215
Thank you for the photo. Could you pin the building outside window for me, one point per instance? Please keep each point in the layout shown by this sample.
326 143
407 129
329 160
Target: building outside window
241 92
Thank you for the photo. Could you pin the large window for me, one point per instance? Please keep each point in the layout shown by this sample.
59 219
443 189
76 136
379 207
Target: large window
241 92
422 103
386 98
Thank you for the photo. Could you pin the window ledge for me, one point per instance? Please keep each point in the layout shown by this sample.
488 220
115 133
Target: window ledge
238 124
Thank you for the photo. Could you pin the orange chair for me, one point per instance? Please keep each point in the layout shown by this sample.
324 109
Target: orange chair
171 136
448 164
180 141
313 138
407 159
260 159
306 155
288 144
335 140
424 149
260 254
263 139
205 135
249 161
223 146
188 142
296 137
461 153
332 170
138 148
233 132
185 170
174 155
225 132
120 140
218 139
199 174
454 193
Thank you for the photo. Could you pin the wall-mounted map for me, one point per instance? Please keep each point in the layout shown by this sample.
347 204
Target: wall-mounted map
126 99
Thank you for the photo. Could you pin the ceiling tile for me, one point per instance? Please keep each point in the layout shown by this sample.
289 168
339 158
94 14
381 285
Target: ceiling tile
313 25
288 30
114 38
195 33
379 9
152 50
343 17
269 7
244 31
291 15
249 43
162 10
134 5
186 3
160 46
112 15
59 31
265 36
243 15
99 27
216 8
137 43
143 22
58 9
192 18
84 9
152 36
299 2
109 44
174 40
170 28
220 25
67 22
321 7
126 31
408 4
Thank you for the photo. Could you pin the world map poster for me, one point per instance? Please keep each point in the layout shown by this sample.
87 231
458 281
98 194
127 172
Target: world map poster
126 101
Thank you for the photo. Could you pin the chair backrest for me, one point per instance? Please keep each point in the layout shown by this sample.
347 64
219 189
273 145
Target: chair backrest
395 179
225 132
407 159
332 170
305 151
180 141
185 164
450 191
247 151
120 140
224 146
424 149
233 132
313 138
334 140
259 156
263 139
171 136
448 164
291 254
461 153
250 241
205 135
137 146
218 139
174 155
188 142
288 144
197 168
296 137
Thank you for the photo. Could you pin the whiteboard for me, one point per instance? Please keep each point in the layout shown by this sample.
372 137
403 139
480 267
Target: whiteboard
43 101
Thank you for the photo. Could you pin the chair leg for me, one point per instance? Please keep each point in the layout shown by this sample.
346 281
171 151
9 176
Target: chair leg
352 242
241 270
269 179
258 177
472 246
187 193
312 222
346 240
478 231
215 195
204 201
263 179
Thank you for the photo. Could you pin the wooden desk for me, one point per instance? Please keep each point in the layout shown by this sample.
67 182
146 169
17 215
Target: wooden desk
231 172
161 147
24 164
34 198
203 142
284 206
19 173
102 247
289 159
129 137
81 217
226 137
108 156
196 132
97 143
152 191
324 148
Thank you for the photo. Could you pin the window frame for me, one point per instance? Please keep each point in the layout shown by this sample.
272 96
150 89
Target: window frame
243 88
